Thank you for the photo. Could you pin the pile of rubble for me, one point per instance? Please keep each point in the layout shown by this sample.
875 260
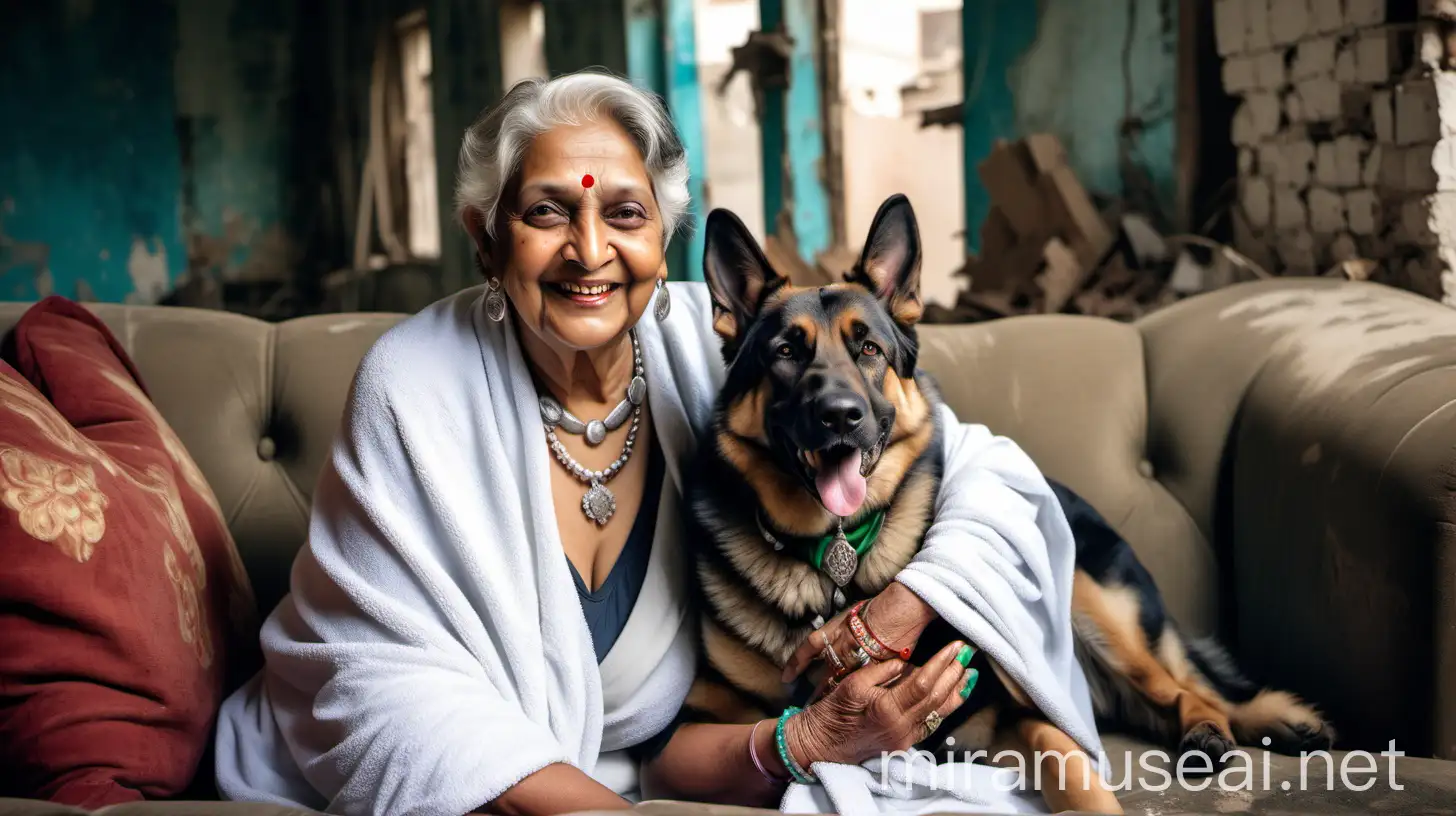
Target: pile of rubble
1046 248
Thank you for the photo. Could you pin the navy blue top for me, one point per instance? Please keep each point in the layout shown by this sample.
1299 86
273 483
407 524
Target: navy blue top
607 609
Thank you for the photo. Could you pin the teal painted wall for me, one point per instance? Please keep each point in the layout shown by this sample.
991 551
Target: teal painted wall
1058 66
89 159
234 85
136 134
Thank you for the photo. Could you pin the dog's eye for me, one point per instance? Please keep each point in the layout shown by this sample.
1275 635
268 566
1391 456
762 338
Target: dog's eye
785 350
869 349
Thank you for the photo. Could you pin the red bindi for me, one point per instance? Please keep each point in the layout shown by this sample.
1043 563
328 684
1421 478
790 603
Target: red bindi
587 181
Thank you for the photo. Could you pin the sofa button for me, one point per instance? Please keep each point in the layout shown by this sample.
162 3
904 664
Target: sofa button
1146 469
266 449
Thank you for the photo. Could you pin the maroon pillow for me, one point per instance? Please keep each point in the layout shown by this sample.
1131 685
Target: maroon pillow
123 603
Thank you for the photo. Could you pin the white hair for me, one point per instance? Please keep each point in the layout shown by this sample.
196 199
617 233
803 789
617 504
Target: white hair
493 147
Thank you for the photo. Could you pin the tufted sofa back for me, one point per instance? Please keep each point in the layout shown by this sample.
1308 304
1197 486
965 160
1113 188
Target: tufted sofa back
1280 455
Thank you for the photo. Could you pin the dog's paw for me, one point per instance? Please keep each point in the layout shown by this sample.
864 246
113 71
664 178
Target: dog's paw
1281 723
1294 739
1205 738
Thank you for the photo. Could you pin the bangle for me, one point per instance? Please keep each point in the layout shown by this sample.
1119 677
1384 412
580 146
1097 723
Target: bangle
753 754
869 640
863 615
800 775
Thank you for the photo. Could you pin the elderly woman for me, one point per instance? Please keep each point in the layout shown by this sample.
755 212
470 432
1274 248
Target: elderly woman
490 611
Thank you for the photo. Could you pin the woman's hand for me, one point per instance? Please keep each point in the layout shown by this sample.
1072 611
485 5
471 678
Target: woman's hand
882 707
896 616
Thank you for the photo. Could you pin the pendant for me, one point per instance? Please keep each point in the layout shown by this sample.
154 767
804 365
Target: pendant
840 560
596 432
599 504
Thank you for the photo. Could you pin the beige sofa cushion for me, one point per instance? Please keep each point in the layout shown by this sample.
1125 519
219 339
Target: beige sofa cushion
1071 391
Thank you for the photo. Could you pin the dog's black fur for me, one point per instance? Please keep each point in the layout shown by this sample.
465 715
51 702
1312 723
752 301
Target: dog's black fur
815 374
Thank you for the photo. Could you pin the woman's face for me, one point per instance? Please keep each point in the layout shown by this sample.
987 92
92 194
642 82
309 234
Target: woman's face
581 248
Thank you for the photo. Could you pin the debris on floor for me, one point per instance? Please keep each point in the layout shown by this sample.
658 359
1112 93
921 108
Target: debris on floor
1046 248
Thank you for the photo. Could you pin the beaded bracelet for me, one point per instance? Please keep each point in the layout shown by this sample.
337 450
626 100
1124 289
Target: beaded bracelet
800 775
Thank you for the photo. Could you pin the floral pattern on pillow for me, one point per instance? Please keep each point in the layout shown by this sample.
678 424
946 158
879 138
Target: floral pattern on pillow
57 503
60 503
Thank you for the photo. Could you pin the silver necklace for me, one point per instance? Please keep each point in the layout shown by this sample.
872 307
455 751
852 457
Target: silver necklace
555 415
599 504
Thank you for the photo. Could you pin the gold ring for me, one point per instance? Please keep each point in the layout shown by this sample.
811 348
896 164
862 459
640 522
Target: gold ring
932 722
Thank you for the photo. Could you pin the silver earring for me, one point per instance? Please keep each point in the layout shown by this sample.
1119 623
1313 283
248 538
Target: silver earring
495 301
664 301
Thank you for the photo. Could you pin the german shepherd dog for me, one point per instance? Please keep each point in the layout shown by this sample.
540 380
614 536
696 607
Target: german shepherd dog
825 419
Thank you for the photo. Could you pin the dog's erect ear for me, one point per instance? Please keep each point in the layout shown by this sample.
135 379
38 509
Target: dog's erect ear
739 276
890 263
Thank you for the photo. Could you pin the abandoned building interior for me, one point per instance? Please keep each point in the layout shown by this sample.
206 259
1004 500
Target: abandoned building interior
1197 259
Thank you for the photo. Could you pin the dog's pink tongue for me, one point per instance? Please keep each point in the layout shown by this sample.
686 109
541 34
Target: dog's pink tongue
841 487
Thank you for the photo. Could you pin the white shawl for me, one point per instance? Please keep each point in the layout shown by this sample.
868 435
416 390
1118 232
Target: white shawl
433 650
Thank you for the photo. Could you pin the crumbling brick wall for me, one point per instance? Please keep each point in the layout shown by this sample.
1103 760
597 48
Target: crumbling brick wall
1345 132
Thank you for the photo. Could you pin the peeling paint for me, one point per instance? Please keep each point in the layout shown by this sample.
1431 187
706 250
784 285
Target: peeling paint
234 80
94 159
145 122
45 285
147 266
1071 82
1056 66
21 258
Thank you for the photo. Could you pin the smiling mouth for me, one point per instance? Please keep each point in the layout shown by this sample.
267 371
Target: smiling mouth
840 475
584 293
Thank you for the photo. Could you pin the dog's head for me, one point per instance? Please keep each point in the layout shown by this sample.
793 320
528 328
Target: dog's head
819 377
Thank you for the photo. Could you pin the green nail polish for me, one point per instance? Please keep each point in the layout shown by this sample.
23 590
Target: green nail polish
974 675
963 657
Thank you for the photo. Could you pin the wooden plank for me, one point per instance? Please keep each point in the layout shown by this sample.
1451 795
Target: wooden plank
830 62
644 44
997 234
1046 151
1069 207
1063 276
804 121
1008 175
792 125
684 100
772 135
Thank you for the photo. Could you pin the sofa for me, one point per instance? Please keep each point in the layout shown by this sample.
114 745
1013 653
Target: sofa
1281 454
